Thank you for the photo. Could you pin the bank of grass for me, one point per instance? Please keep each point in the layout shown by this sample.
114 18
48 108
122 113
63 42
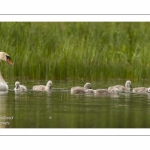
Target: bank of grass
77 50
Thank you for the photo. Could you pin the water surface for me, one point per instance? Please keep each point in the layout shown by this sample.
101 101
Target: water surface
60 109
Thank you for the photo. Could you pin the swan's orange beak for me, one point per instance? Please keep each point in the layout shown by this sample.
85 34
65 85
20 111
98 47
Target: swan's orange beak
9 61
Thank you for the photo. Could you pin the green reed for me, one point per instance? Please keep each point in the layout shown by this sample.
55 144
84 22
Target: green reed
76 50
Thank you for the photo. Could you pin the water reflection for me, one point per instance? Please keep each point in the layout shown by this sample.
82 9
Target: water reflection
111 95
148 95
60 109
41 93
3 98
3 108
3 93
20 92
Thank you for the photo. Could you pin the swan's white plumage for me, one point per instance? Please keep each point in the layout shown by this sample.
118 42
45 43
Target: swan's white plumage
101 91
5 57
106 91
87 89
120 88
141 90
43 87
3 84
19 87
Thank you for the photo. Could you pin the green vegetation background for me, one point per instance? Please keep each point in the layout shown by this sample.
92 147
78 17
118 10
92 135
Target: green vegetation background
76 50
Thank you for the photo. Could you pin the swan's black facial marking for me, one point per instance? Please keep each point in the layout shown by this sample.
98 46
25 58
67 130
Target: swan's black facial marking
8 58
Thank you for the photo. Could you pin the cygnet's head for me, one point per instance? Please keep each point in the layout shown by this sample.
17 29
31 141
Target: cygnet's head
148 90
49 84
128 84
87 86
17 84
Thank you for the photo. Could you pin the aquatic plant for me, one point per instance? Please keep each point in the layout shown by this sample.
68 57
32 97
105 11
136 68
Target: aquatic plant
77 50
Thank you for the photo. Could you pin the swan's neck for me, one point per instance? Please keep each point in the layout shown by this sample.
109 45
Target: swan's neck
1 78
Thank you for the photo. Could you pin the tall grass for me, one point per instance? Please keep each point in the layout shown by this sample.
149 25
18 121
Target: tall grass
76 50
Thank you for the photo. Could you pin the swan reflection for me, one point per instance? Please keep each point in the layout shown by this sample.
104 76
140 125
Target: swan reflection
3 107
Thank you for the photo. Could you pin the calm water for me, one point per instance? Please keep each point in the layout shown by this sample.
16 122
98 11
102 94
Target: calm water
60 109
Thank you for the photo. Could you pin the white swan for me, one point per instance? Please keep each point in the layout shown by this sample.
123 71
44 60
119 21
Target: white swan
120 88
141 90
87 89
5 57
19 87
43 87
